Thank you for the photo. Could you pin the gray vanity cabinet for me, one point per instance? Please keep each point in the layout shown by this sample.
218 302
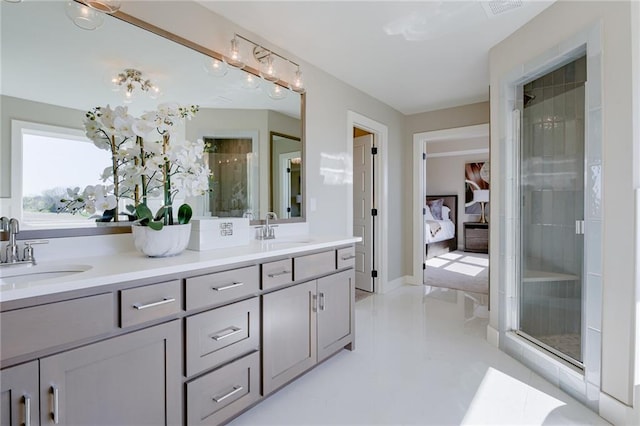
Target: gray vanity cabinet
19 395
336 316
130 379
304 324
288 334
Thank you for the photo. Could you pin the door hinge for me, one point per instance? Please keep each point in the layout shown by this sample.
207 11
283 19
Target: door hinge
424 266
288 209
424 155
424 211
288 170
374 274
374 150
374 212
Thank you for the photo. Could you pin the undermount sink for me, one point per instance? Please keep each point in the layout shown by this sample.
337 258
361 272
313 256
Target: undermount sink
12 275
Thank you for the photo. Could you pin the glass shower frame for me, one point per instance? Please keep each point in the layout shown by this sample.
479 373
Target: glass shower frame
569 282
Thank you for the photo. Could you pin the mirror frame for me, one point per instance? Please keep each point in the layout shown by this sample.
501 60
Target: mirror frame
124 228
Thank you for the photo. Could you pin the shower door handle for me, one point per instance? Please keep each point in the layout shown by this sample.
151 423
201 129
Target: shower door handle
579 227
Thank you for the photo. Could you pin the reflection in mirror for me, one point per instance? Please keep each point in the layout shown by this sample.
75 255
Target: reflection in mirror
286 176
234 176
38 44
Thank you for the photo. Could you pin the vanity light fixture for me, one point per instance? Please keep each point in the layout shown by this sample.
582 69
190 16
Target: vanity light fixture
131 79
269 64
84 16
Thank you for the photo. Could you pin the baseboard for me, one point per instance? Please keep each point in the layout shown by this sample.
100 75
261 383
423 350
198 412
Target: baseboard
493 336
394 284
618 413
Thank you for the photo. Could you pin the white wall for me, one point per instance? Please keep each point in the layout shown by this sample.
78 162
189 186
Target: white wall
327 103
554 25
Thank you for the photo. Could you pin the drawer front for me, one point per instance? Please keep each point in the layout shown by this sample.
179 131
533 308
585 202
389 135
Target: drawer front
277 273
314 264
346 257
220 287
142 304
220 335
223 393
40 327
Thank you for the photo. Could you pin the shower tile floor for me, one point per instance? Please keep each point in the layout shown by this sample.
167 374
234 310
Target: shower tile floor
566 343
421 358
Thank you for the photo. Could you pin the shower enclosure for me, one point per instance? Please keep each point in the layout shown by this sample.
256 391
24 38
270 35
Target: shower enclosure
552 182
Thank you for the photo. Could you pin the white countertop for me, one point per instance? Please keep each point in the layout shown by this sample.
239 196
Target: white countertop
132 265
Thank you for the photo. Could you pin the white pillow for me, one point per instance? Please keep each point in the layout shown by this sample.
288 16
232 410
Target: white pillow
428 215
445 213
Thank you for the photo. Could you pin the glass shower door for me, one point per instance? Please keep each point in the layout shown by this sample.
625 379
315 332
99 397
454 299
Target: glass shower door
552 211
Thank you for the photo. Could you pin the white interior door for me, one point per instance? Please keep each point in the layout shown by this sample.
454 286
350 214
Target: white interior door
363 203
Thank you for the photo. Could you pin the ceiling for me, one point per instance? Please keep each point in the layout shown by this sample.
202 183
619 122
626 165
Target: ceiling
415 56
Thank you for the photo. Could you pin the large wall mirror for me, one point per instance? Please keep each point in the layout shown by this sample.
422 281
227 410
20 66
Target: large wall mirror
53 72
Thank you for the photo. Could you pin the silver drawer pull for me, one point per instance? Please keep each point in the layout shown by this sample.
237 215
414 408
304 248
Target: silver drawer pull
27 411
278 274
235 390
349 257
227 287
54 414
221 336
322 301
154 304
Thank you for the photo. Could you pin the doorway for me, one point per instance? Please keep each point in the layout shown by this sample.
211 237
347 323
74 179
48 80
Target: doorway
380 258
364 208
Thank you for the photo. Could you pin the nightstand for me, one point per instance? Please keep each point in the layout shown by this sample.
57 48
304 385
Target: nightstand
476 237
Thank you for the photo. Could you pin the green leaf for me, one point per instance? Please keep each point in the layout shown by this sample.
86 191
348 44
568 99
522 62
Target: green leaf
160 214
184 214
155 225
143 212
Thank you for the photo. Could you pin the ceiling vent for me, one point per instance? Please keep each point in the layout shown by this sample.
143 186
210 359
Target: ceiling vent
497 7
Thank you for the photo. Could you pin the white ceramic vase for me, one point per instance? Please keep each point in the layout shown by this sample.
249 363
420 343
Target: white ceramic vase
169 241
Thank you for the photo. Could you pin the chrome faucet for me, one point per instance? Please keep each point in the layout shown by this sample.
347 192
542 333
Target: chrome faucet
12 247
12 226
266 232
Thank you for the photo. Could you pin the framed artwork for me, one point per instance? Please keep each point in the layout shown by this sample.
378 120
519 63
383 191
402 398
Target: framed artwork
476 177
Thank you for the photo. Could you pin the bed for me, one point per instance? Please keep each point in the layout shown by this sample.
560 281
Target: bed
441 217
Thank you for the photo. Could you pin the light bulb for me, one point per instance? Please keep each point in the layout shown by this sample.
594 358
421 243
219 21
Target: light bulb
215 67
128 97
154 92
250 81
83 16
235 58
298 83
269 70
276 92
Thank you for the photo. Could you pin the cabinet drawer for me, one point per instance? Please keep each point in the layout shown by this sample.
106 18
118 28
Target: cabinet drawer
220 335
220 287
314 264
142 304
346 257
223 393
40 327
276 273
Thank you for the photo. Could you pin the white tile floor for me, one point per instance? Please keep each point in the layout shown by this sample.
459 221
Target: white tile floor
419 359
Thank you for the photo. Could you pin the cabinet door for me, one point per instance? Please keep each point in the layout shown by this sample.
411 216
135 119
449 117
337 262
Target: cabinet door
132 379
289 334
19 395
336 295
